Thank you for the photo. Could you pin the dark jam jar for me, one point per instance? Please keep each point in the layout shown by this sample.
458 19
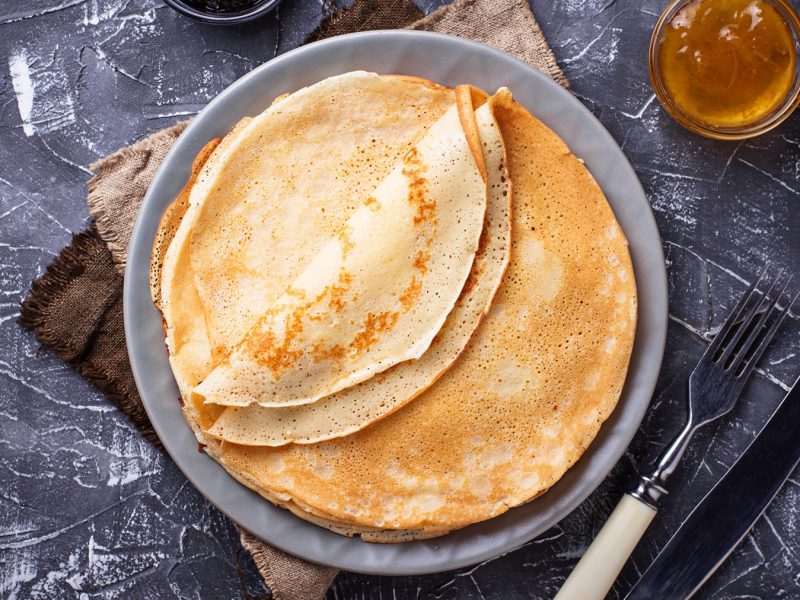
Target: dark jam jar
223 12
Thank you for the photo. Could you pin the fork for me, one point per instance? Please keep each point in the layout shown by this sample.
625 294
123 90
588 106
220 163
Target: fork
714 386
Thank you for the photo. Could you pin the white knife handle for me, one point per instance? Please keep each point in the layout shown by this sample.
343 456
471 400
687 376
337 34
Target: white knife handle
603 560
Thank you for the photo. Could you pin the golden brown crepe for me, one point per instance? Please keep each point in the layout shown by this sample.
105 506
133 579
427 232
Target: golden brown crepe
346 159
379 290
289 182
518 407
527 396
356 407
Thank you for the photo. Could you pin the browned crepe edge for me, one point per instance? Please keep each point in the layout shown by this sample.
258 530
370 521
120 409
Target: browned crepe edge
171 219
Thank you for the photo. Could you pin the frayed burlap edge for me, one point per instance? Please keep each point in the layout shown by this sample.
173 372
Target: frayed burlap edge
53 283
342 20
35 311
102 208
287 577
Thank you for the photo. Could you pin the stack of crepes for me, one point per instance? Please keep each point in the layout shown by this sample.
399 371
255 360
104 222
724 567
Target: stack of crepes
392 307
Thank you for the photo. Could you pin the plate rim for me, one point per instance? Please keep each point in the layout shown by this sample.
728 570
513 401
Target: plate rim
314 543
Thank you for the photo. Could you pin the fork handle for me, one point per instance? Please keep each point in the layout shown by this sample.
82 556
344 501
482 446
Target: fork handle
600 565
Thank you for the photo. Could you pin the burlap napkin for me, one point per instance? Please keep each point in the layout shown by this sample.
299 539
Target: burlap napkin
75 308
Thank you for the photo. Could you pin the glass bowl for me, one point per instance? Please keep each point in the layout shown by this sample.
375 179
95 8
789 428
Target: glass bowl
748 130
259 9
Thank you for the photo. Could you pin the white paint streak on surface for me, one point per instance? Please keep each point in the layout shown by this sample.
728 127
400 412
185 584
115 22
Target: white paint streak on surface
780 182
640 112
23 88
43 91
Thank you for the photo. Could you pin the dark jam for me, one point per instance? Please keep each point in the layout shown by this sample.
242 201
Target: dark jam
223 6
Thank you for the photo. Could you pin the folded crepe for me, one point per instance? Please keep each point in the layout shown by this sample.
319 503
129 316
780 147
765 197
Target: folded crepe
287 184
301 189
356 407
378 292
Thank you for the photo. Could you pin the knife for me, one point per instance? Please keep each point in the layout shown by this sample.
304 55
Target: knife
717 525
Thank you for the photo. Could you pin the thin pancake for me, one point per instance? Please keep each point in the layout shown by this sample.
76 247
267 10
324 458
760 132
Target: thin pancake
401 110
379 291
526 397
288 184
356 407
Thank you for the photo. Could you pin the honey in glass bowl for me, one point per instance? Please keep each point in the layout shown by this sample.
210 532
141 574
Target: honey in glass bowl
727 68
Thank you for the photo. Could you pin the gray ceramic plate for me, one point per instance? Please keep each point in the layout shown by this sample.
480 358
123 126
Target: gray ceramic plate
450 61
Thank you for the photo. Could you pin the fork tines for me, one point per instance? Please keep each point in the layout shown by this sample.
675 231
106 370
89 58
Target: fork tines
752 324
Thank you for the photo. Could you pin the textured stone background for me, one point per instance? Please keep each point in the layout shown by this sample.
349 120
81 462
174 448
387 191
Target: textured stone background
90 510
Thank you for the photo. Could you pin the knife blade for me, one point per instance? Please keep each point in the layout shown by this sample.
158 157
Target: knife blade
717 525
